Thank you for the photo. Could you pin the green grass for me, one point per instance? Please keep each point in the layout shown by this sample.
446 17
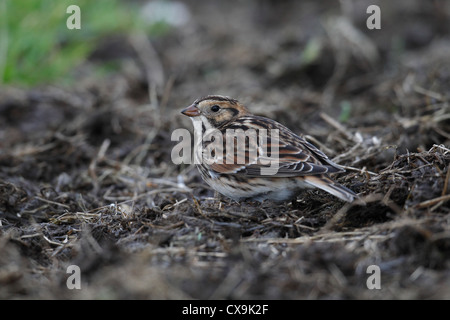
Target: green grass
37 47
346 110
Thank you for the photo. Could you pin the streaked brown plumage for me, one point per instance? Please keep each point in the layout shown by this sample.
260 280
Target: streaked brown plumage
301 164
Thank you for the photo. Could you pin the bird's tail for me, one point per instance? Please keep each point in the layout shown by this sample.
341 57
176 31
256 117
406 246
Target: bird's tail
325 183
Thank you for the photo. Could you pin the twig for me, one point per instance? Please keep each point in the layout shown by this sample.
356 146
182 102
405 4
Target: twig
447 177
429 93
93 165
349 152
338 215
154 72
31 150
440 146
318 143
53 242
53 202
431 202
199 208
338 126
149 58
363 171
324 237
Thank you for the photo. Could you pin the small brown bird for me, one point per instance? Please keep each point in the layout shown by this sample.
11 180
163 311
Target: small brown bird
300 164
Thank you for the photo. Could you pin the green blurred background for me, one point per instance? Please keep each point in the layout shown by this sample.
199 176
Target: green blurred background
37 47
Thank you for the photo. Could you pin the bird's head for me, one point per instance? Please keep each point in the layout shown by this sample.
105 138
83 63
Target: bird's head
215 110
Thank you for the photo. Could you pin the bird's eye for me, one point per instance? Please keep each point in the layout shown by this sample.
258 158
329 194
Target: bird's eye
215 108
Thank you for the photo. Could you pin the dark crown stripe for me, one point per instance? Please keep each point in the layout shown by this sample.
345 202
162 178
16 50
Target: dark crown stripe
217 98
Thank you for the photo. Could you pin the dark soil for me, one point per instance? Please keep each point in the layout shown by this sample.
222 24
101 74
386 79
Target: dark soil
86 176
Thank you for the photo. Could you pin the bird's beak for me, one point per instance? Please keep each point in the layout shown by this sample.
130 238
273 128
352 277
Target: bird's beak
191 111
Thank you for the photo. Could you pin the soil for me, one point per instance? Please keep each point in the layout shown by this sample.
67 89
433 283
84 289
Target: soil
86 176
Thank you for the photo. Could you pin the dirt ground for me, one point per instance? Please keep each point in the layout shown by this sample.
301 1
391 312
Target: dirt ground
86 176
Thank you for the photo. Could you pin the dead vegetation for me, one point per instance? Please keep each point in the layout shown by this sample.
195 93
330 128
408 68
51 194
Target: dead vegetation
86 176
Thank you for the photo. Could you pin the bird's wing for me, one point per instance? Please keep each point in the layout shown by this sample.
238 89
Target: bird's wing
281 154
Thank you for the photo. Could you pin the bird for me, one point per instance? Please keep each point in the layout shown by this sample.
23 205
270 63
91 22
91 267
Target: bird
300 164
